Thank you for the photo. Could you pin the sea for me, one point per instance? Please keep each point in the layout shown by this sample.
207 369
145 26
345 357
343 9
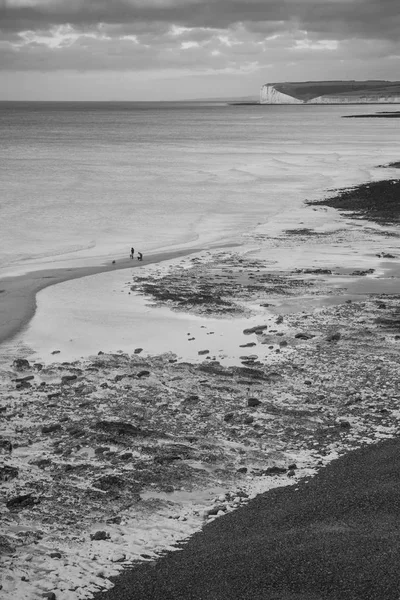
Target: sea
83 182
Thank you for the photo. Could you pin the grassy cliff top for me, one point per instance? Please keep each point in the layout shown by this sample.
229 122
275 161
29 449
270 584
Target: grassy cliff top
307 90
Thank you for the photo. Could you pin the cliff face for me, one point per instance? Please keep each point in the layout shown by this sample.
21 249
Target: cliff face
269 95
331 92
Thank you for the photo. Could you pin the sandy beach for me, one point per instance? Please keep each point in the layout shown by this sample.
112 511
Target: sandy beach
18 293
119 458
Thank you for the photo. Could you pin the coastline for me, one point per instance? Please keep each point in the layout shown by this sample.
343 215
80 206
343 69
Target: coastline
131 443
18 293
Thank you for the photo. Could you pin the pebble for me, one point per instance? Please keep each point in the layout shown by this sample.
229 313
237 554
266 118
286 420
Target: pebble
118 557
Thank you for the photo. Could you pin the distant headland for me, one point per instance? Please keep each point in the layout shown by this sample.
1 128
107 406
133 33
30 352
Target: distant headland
331 92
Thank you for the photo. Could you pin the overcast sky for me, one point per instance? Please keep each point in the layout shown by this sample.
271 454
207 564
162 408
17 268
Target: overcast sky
178 49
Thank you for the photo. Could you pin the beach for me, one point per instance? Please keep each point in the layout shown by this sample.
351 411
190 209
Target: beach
114 459
151 408
19 292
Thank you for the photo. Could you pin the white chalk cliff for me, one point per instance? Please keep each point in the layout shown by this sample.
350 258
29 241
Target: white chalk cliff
269 95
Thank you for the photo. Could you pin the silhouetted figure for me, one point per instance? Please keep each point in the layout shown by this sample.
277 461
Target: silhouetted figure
132 252
139 256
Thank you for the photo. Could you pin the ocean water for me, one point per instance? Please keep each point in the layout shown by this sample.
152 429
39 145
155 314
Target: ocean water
81 182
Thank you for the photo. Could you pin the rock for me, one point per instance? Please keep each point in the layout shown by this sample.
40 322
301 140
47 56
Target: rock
318 271
99 535
279 320
292 466
120 428
248 420
49 595
109 482
53 395
360 273
55 555
214 510
114 520
161 459
42 463
192 398
304 336
8 472
23 385
126 456
5 447
343 423
257 329
118 557
275 470
24 379
138 350
249 345
291 473
27 557
252 402
228 416
241 470
283 344
201 352
21 364
6 546
334 337
23 501
50 428
56 351
385 255
143 374
68 378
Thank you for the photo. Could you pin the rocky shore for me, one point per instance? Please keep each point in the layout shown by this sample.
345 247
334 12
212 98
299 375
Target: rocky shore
116 458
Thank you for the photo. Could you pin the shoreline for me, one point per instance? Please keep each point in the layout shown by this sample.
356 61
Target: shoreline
18 293
130 443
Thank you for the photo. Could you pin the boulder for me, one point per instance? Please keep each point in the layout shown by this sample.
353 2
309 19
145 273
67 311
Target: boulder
143 374
334 337
21 364
228 416
68 378
24 379
275 470
256 329
50 428
22 501
5 446
253 402
8 472
99 535
304 336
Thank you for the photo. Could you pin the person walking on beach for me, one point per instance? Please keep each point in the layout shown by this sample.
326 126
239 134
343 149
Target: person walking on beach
139 256
132 252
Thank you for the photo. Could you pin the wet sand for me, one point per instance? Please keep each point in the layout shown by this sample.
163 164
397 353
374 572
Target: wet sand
18 294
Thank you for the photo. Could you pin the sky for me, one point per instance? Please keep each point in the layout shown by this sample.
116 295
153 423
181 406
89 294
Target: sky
189 49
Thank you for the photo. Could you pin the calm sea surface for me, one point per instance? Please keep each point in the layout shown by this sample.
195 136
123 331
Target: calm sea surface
89 180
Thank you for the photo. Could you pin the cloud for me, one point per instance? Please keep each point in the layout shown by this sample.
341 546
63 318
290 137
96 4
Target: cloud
379 19
201 36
